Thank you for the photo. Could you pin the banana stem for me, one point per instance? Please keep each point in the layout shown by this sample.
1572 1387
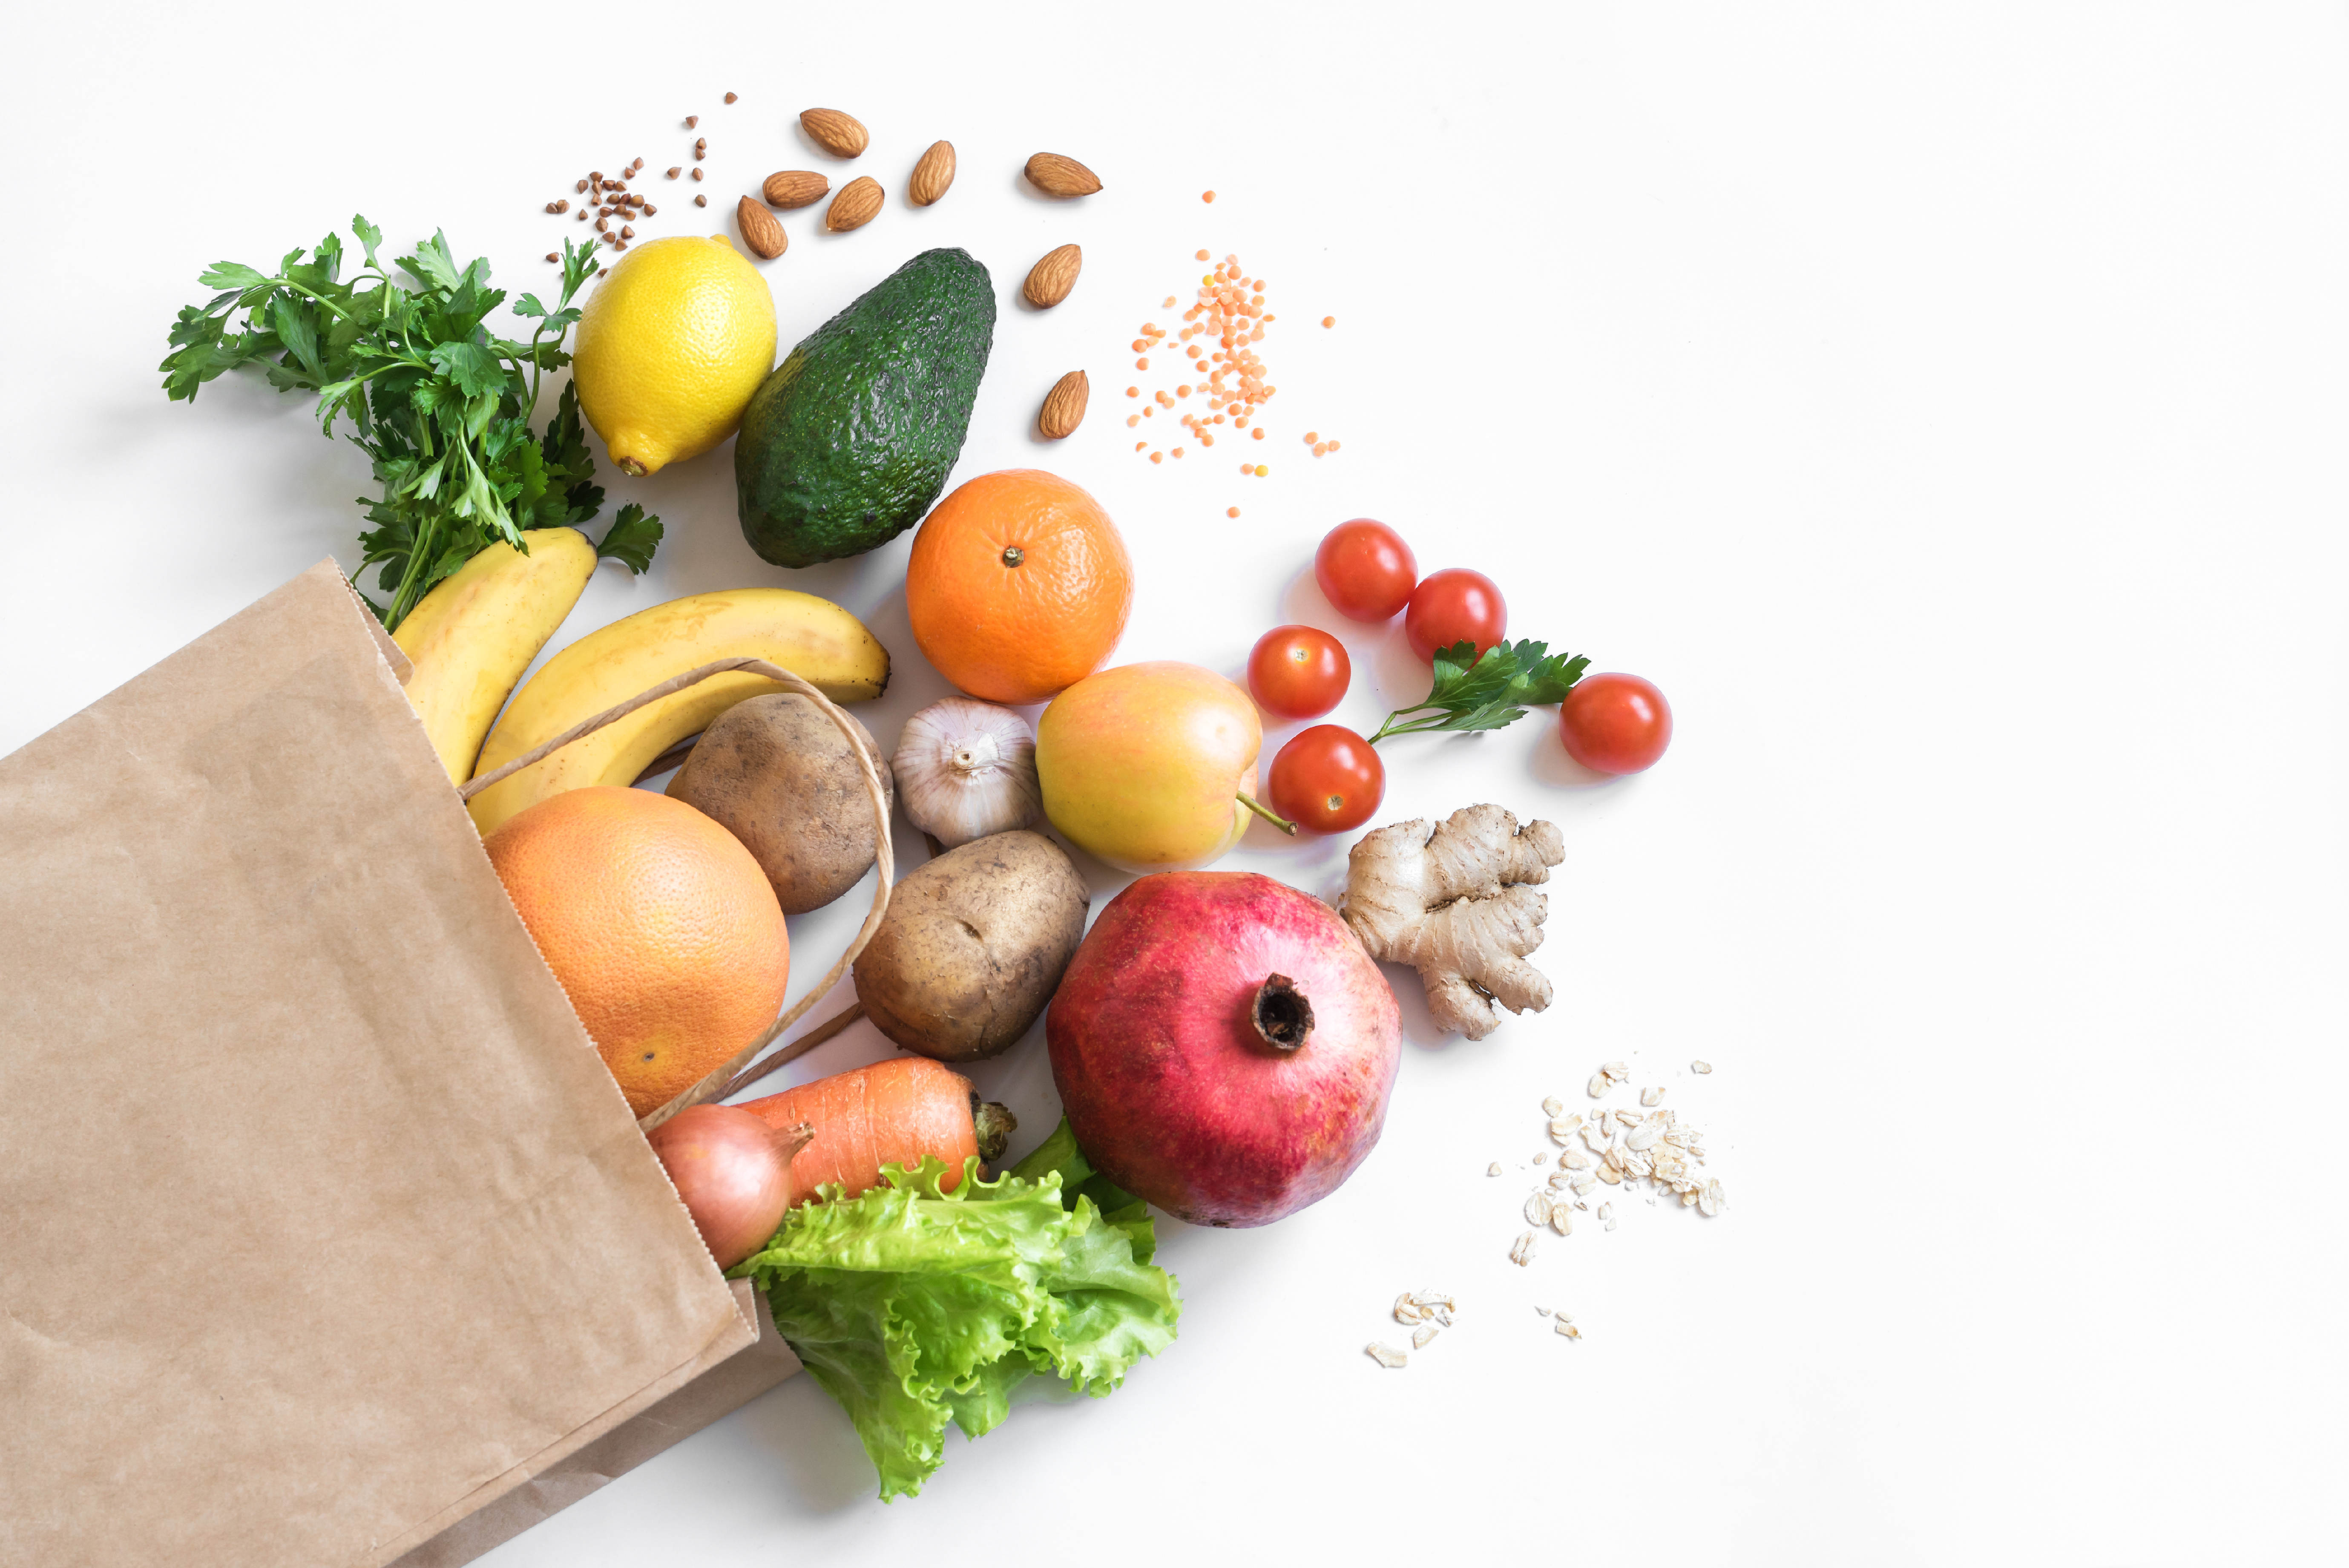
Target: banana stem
1272 816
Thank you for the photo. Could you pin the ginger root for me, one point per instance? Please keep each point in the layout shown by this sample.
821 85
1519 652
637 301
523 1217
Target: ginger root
1456 901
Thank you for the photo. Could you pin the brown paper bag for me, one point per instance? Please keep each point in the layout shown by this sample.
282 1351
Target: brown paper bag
325 1236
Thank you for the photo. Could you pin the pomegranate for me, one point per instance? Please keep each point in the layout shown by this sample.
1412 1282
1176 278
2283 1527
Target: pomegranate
1223 1046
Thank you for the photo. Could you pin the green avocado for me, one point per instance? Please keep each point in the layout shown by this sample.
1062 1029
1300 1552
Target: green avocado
848 442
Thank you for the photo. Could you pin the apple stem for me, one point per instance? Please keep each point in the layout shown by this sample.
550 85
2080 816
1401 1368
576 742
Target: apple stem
1270 815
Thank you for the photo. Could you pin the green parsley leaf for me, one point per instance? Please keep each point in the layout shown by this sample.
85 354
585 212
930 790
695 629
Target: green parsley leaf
1470 693
441 405
231 275
1544 677
631 539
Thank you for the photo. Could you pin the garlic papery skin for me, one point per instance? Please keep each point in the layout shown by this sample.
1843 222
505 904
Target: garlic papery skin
966 769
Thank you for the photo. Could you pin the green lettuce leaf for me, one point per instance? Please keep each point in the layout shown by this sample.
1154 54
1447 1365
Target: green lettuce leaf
1059 1153
912 1307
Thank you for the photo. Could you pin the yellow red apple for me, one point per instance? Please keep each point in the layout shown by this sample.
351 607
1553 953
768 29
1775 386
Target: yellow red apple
1143 765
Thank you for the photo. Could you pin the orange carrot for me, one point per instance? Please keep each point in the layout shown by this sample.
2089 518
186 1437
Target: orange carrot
891 1113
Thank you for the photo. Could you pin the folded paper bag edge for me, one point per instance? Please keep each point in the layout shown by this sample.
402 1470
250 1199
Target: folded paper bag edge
738 1333
722 1383
403 668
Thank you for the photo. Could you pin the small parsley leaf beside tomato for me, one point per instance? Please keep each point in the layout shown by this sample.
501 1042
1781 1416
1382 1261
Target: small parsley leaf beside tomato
1487 693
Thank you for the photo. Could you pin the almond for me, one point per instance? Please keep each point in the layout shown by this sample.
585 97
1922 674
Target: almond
760 231
796 188
1064 406
1049 280
932 175
1058 176
854 206
842 135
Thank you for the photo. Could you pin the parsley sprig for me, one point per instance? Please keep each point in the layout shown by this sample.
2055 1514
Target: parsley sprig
441 405
1487 693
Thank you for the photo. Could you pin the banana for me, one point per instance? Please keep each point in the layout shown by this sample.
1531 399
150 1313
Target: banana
474 634
812 637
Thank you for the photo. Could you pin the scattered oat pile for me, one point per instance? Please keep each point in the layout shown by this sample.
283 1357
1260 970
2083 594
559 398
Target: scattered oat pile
1619 1147
1621 1144
1614 1146
1423 1313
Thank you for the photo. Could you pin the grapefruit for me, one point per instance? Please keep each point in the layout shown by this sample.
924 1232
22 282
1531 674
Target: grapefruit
658 923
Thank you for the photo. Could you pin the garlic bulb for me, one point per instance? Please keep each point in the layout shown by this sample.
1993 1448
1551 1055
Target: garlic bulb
966 769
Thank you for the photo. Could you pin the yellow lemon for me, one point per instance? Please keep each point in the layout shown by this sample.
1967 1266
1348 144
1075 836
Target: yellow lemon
671 345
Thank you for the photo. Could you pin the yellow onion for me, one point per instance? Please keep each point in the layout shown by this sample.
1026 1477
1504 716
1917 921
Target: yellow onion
734 1173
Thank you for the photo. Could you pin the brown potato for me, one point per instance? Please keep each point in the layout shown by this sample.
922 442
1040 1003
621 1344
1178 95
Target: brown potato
777 774
973 946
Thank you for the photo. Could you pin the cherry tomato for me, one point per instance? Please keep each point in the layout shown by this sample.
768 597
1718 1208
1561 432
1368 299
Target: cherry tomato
1453 605
1326 780
1365 570
1615 723
1298 673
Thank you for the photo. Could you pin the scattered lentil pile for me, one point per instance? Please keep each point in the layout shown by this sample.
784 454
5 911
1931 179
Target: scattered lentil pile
1217 344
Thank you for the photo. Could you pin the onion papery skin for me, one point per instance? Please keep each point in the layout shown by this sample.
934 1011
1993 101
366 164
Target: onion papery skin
733 1172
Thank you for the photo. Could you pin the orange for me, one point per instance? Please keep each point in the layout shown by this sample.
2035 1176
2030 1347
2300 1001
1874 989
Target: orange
1019 585
661 927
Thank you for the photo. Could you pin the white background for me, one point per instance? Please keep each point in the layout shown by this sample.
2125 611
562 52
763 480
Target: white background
1944 404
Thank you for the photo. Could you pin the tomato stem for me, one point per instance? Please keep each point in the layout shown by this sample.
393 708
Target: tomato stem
1267 813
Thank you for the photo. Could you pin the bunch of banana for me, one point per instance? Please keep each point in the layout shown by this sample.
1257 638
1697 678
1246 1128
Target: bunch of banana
813 638
473 635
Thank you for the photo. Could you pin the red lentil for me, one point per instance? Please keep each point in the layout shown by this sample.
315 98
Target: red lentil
1218 334
1231 510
